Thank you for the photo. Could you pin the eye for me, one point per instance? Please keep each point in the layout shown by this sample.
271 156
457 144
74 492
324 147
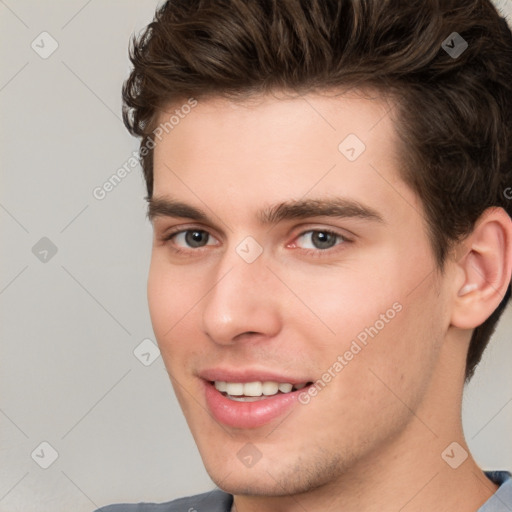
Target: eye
190 238
321 239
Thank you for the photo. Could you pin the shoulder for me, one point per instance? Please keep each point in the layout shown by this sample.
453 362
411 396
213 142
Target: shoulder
501 500
213 501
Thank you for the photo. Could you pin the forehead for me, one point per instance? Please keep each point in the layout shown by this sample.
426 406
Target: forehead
276 119
280 147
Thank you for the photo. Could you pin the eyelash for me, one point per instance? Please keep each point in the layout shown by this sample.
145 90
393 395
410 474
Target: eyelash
312 252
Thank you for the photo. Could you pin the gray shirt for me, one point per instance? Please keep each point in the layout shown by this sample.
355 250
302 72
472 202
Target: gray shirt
220 501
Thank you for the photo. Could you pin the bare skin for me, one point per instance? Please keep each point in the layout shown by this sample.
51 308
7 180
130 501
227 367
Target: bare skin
372 439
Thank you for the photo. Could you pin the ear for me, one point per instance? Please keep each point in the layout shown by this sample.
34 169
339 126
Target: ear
484 267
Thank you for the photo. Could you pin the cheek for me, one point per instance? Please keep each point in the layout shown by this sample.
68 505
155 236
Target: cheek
396 364
161 301
171 297
339 304
389 328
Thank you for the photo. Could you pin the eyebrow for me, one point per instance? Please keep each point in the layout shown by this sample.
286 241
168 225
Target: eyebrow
338 207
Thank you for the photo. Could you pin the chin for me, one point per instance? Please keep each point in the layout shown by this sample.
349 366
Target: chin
254 486
265 479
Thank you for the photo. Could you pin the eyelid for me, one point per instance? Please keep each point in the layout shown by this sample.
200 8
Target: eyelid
343 233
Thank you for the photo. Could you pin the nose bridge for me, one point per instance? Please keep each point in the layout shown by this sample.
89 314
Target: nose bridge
241 297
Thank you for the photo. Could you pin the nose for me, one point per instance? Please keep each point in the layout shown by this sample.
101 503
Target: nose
243 302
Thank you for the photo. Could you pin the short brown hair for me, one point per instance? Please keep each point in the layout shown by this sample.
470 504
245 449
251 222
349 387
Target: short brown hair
454 111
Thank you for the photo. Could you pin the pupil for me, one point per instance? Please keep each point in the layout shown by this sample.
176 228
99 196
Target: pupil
324 239
194 238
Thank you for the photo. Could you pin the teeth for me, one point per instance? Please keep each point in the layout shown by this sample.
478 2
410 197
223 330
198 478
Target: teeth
285 387
252 388
220 385
255 389
270 388
235 388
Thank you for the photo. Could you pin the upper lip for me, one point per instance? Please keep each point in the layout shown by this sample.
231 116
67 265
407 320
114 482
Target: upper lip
248 375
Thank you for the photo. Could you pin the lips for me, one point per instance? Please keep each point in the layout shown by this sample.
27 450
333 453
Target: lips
237 411
250 375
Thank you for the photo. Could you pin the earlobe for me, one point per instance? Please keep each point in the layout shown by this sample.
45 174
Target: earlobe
486 266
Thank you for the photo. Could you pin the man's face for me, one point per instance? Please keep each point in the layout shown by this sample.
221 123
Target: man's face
360 313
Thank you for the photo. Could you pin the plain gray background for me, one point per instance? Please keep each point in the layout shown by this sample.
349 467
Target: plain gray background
72 320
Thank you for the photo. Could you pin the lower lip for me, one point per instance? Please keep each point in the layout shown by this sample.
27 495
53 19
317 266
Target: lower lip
248 414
